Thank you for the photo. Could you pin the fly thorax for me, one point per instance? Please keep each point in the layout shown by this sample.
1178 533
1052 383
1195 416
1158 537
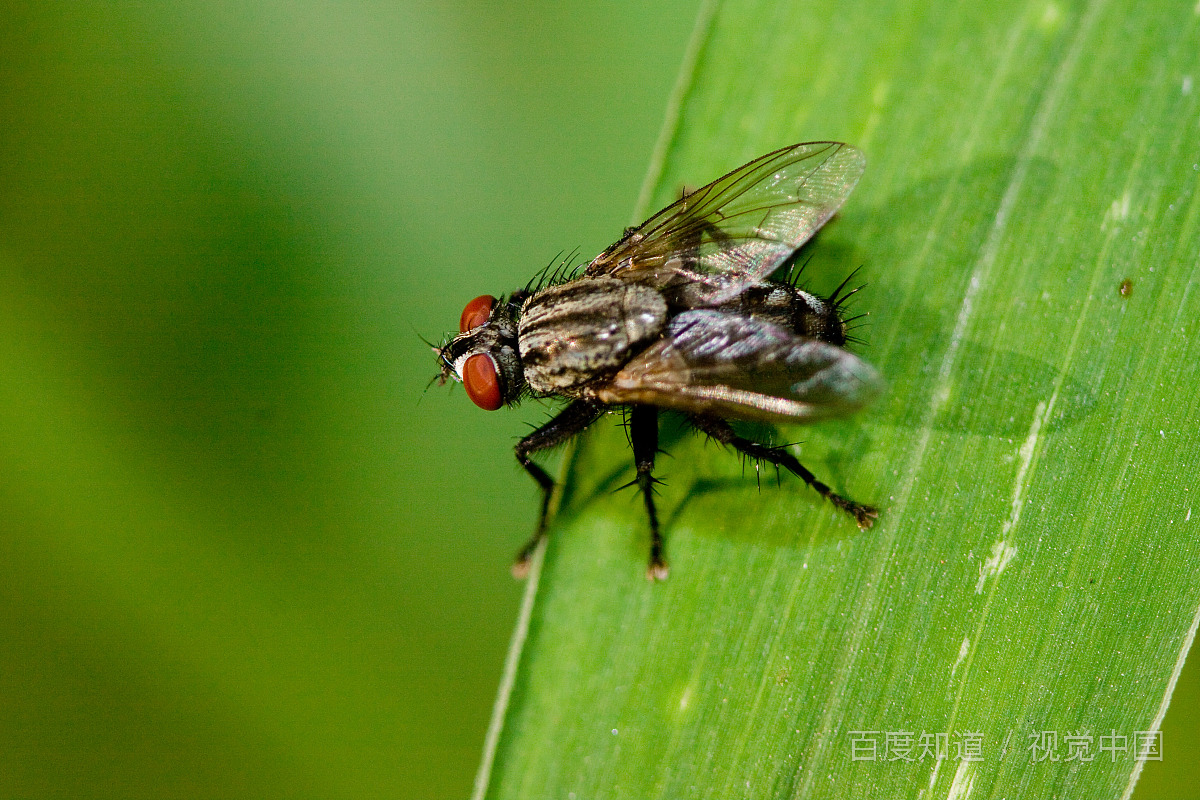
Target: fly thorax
585 330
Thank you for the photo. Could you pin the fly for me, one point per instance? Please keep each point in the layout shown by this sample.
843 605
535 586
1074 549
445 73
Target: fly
680 314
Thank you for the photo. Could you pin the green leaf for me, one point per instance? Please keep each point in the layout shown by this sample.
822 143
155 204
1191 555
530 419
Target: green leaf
1035 567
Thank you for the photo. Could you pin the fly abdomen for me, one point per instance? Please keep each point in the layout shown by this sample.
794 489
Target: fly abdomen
585 330
790 308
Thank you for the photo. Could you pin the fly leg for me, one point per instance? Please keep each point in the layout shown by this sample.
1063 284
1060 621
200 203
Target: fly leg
721 430
643 432
567 423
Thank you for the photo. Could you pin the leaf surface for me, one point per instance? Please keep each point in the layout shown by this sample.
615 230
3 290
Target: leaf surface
1033 577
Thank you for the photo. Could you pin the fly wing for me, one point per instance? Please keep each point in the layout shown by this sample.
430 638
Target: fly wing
710 245
710 362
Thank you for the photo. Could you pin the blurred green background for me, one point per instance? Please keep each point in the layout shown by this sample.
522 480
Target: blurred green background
242 552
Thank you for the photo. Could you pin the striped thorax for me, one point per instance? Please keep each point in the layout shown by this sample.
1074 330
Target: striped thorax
585 330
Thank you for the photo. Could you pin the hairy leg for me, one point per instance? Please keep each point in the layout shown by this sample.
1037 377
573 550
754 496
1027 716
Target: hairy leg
569 422
723 432
643 432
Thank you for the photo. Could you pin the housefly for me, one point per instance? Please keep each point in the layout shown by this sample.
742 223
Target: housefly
680 314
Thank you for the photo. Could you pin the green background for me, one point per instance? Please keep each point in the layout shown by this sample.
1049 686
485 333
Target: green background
241 552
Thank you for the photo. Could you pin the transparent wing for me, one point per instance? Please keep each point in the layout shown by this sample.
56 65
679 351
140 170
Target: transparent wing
710 245
711 362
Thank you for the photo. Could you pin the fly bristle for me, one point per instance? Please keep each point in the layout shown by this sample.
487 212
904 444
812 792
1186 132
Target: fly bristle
793 275
842 301
438 379
441 350
624 423
525 394
427 342
654 484
856 340
559 270
539 279
566 269
838 299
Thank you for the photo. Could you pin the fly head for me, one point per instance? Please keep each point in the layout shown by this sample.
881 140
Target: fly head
483 356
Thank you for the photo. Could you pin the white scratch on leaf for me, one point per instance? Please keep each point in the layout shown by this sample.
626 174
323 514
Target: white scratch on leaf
937 765
962 653
1118 211
1003 550
1002 553
964 781
1028 447
685 697
1122 206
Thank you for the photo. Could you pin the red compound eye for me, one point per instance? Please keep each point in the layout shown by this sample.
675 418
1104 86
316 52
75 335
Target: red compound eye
476 313
482 383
